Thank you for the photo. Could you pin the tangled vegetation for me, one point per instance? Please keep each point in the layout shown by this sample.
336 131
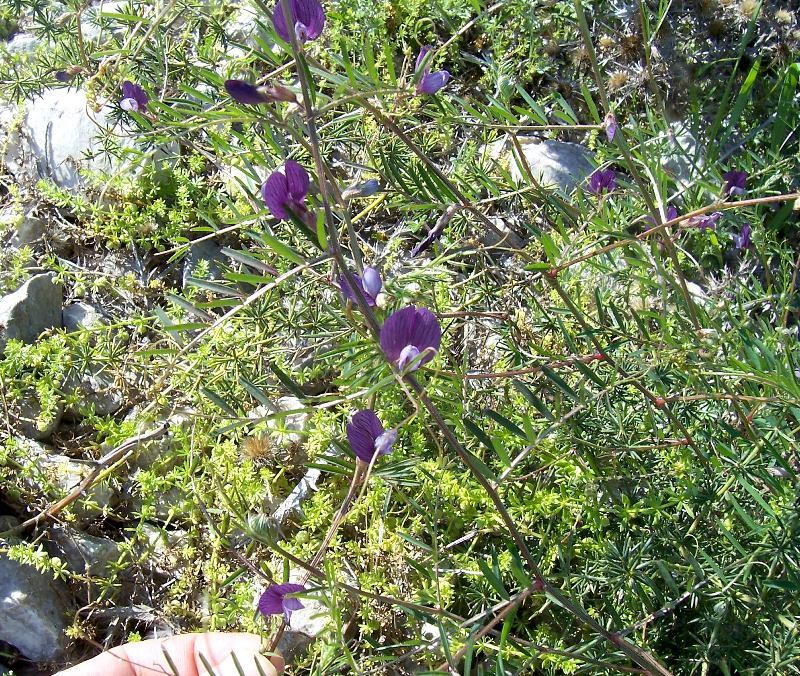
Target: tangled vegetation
597 469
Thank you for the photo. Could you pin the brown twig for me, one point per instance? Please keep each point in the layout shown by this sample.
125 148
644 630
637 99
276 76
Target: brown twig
114 456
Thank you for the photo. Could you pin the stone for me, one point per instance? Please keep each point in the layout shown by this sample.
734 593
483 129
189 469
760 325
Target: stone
95 389
31 420
63 474
28 228
22 43
205 250
31 309
684 158
76 316
33 611
290 427
55 136
160 549
84 554
554 164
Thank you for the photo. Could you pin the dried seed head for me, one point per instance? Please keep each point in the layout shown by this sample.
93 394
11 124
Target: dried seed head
259 447
785 17
607 42
618 80
748 8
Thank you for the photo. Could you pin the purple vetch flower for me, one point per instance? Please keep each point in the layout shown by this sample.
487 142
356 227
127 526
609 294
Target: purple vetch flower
672 213
274 602
308 18
704 222
429 83
611 126
370 284
252 95
133 97
367 437
285 190
742 240
602 180
409 333
734 182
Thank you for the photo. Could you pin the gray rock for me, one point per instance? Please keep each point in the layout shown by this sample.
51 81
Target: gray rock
160 549
82 553
60 474
54 136
684 158
31 309
94 389
207 251
22 43
27 227
76 316
33 611
31 420
554 164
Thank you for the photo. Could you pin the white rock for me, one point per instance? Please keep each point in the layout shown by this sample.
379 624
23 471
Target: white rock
33 611
294 424
684 158
554 164
31 309
76 316
22 43
26 226
64 474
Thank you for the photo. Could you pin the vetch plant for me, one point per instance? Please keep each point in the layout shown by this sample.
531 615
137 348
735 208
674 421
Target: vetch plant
306 20
411 337
369 284
285 191
134 98
250 94
277 599
602 181
367 436
429 83
735 182
704 222
742 239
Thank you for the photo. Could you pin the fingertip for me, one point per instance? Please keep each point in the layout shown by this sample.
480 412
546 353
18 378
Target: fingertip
247 664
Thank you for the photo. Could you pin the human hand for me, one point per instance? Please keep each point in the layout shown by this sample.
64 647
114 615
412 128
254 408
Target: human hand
148 658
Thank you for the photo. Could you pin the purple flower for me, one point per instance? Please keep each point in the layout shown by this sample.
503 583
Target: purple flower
672 213
367 436
274 602
611 126
734 182
370 285
133 97
285 191
704 222
408 333
250 94
602 180
742 240
307 15
429 83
